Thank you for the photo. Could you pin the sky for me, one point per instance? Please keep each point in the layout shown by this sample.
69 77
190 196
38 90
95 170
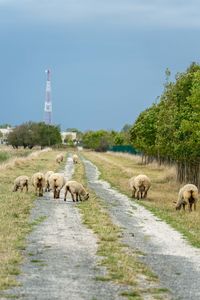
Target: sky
107 57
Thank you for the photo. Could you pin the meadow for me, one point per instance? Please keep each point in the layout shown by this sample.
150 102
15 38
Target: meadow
118 169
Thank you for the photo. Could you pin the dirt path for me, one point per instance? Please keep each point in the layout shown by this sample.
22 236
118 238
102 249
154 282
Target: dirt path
176 263
60 260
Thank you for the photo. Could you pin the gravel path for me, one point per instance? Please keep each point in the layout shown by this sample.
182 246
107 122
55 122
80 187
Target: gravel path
60 260
176 263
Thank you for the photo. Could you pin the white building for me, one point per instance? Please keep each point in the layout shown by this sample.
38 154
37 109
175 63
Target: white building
4 132
68 134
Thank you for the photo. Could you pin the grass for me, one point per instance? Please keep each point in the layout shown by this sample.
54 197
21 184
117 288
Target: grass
122 263
117 169
15 210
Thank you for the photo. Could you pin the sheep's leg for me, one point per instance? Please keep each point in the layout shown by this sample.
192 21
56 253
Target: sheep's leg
77 197
138 196
80 198
65 196
145 193
54 193
190 206
195 205
72 196
27 187
58 194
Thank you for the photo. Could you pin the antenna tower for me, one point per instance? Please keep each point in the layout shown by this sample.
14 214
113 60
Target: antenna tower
48 104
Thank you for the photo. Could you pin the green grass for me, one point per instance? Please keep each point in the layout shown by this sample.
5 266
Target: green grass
14 214
122 263
164 191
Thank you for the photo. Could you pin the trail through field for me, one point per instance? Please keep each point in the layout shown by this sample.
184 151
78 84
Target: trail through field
60 259
176 263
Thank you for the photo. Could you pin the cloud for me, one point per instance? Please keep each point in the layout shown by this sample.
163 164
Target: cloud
164 13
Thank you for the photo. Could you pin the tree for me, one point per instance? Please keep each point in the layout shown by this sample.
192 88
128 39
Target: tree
31 134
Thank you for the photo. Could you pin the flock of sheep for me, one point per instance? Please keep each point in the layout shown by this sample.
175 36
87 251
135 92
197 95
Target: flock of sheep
54 182
188 194
139 185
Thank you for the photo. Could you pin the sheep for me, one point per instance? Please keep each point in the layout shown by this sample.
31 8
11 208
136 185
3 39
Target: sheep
21 182
59 158
75 188
38 181
47 185
140 186
75 159
188 193
56 181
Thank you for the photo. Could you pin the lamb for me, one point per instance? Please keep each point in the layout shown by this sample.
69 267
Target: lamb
38 181
75 188
140 186
59 158
47 185
187 194
75 159
21 182
56 181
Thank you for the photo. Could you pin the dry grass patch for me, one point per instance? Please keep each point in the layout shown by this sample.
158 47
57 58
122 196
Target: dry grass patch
14 213
162 195
122 263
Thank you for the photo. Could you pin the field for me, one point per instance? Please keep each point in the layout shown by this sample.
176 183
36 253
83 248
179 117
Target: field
121 260
117 169
15 209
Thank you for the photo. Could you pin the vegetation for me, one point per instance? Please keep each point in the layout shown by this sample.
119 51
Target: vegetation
122 264
170 130
14 212
33 134
118 169
101 140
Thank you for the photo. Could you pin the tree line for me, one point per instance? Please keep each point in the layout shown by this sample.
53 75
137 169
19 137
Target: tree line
169 131
32 134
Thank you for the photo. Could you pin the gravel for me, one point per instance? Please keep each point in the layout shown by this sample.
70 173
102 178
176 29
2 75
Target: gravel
60 258
172 259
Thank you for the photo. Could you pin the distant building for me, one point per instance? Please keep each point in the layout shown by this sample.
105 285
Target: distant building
4 134
68 135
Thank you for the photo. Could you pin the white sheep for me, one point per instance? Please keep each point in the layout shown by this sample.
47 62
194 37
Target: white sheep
38 181
59 158
56 181
140 186
75 159
47 185
75 188
187 194
21 182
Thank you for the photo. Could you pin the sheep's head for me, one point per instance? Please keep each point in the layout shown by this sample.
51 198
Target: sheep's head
86 197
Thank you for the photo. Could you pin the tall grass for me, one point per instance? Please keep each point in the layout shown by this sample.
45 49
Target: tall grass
162 195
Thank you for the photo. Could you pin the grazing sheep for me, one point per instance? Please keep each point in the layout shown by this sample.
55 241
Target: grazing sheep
59 158
140 186
75 188
21 182
187 194
38 181
75 159
56 181
47 185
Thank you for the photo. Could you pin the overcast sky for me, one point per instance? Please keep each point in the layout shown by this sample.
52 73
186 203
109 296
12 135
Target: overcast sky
108 57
